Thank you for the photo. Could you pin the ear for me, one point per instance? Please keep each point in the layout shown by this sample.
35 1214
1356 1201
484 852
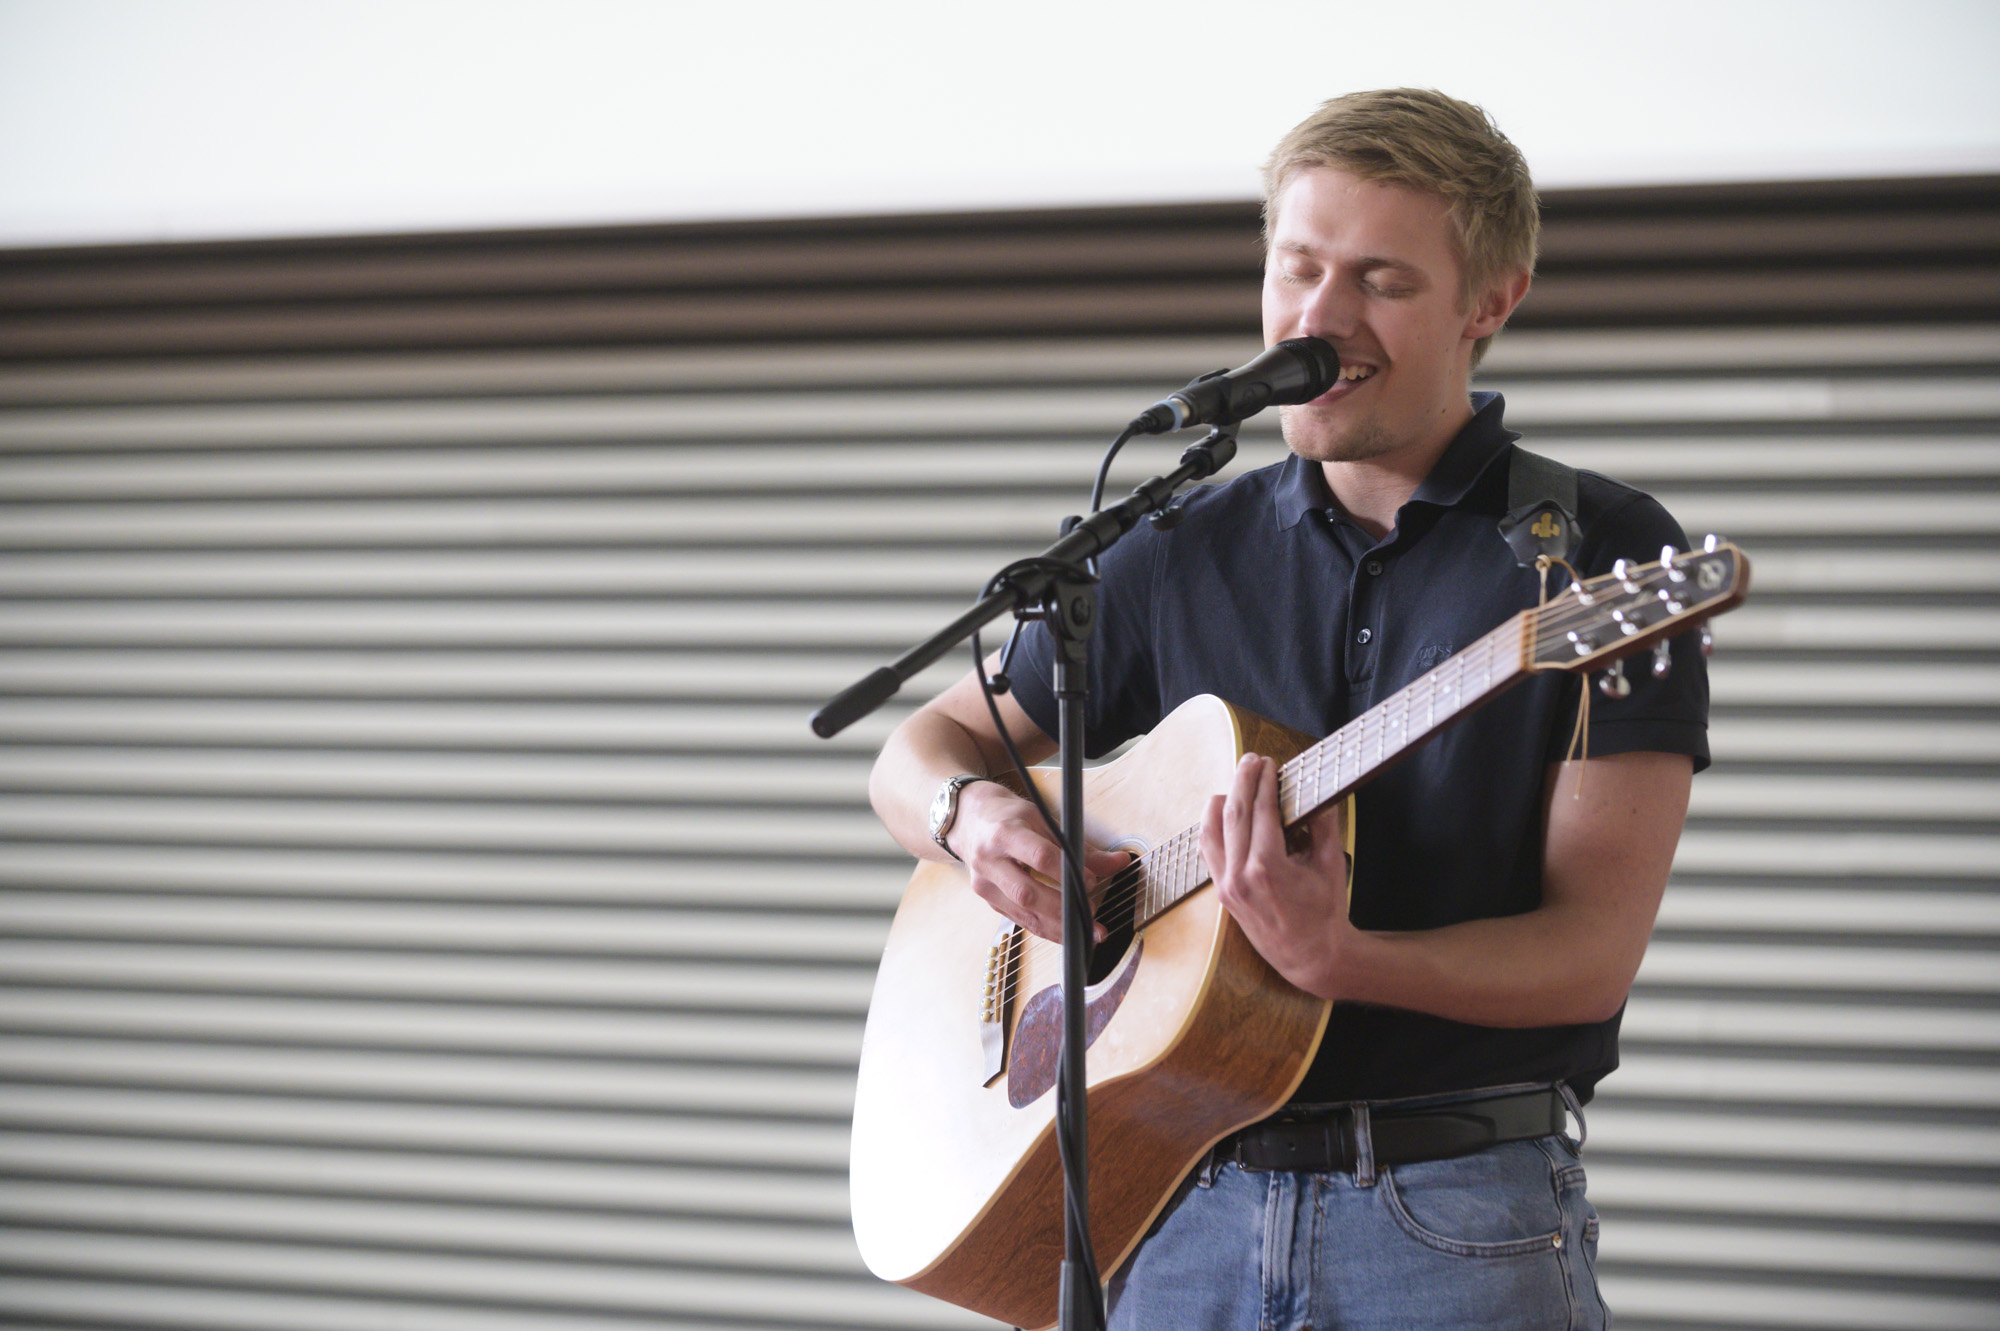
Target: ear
1495 304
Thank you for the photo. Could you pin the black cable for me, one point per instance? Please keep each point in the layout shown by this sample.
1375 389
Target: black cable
1104 467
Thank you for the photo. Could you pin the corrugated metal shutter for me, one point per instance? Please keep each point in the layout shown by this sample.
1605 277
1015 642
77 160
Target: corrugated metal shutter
424 905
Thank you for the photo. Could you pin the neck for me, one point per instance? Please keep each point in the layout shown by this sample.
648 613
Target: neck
1371 490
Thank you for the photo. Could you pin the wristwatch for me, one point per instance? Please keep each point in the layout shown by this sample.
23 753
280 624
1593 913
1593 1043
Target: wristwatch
944 809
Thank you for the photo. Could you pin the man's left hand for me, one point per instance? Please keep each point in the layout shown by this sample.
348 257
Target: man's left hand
1292 907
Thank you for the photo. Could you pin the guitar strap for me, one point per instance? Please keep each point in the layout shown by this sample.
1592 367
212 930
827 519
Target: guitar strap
1541 508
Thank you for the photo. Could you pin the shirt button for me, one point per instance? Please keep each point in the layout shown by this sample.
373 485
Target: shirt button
1374 568
1364 635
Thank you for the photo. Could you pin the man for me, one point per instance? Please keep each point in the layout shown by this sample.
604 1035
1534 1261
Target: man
1501 896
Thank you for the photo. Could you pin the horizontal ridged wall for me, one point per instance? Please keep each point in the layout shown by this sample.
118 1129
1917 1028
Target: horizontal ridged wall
421 901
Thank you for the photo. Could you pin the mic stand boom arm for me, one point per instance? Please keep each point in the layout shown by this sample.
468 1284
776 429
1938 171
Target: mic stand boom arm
1056 588
1027 587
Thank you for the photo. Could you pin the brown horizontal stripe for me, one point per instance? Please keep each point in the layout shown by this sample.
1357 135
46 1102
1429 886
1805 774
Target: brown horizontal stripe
1198 305
1776 296
1878 233
656 265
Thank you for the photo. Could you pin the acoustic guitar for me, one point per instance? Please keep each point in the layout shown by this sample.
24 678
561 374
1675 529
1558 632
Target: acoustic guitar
955 1182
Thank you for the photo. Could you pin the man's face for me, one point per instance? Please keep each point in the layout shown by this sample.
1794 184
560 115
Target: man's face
1371 268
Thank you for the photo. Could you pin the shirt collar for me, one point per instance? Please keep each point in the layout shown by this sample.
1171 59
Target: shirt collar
1302 488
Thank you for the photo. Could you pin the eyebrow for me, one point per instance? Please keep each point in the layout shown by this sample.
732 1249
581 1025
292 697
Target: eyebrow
1366 261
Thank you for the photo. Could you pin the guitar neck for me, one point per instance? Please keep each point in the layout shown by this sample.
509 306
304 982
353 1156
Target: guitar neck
1370 742
1346 759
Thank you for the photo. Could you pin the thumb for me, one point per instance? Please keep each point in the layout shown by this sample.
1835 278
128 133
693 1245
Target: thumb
1101 862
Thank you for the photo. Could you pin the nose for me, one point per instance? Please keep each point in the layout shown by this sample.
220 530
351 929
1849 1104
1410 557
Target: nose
1331 310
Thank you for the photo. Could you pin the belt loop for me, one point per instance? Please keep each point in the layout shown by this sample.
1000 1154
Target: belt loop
1575 1108
1364 1147
1204 1174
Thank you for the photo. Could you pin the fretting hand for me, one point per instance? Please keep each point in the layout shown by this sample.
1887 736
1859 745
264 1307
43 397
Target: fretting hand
1292 907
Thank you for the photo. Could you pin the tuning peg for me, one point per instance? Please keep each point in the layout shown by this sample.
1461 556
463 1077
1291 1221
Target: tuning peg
1663 659
1612 683
1707 641
1667 557
1709 543
1623 572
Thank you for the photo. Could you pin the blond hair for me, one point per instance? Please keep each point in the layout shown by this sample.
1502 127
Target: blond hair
1423 140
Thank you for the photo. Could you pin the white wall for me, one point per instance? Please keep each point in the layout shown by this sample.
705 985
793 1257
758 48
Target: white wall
131 121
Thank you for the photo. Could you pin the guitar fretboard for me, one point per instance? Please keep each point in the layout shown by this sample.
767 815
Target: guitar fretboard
1343 760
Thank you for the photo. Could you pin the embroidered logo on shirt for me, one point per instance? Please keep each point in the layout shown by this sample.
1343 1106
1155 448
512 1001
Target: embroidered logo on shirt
1430 656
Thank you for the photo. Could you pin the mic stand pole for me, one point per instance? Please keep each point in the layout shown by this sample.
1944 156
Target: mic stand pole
1067 602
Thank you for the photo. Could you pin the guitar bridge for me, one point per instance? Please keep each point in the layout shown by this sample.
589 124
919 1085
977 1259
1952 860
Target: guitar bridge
1003 964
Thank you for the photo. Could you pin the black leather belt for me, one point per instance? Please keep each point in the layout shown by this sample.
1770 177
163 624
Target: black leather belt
1400 1136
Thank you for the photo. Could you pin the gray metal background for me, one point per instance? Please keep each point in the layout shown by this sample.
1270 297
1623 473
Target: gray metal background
422 904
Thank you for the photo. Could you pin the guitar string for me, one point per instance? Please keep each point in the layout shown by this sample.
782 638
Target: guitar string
1138 876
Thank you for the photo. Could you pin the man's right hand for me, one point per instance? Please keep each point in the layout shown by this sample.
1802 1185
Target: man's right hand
1013 864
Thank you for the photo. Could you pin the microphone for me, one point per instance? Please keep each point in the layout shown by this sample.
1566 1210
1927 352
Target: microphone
1298 369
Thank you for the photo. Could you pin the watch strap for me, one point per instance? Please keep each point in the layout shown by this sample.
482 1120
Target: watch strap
944 808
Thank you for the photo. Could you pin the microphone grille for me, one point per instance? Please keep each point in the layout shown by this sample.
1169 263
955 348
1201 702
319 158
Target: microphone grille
1322 364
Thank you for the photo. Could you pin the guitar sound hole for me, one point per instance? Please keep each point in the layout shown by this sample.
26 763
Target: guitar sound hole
1115 914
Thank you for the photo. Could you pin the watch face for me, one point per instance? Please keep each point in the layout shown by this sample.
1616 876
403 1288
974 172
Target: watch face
942 808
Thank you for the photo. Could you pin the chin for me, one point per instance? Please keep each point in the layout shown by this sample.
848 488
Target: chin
1321 440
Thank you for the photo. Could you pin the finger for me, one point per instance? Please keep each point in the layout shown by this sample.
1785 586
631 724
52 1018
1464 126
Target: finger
1212 852
1329 838
1236 814
1267 820
1039 916
1032 850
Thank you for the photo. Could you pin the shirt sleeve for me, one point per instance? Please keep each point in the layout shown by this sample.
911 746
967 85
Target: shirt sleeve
1123 674
1666 714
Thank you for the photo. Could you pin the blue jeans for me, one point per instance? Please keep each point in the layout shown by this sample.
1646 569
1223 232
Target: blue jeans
1503 1238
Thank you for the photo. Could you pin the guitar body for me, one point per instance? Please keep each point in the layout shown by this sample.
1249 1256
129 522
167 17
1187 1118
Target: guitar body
956 1187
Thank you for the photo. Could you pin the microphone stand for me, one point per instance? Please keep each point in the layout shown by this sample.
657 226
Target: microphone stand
1059 590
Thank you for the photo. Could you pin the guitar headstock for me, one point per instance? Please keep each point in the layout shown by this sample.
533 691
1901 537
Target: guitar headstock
1602 620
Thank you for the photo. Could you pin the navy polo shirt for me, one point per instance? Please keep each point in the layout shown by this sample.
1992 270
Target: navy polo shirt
1269 597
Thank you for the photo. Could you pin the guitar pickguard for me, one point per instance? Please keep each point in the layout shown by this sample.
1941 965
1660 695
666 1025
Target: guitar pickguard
1038 1039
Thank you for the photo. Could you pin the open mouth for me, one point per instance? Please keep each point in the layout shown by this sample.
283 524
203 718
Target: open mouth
1351 378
